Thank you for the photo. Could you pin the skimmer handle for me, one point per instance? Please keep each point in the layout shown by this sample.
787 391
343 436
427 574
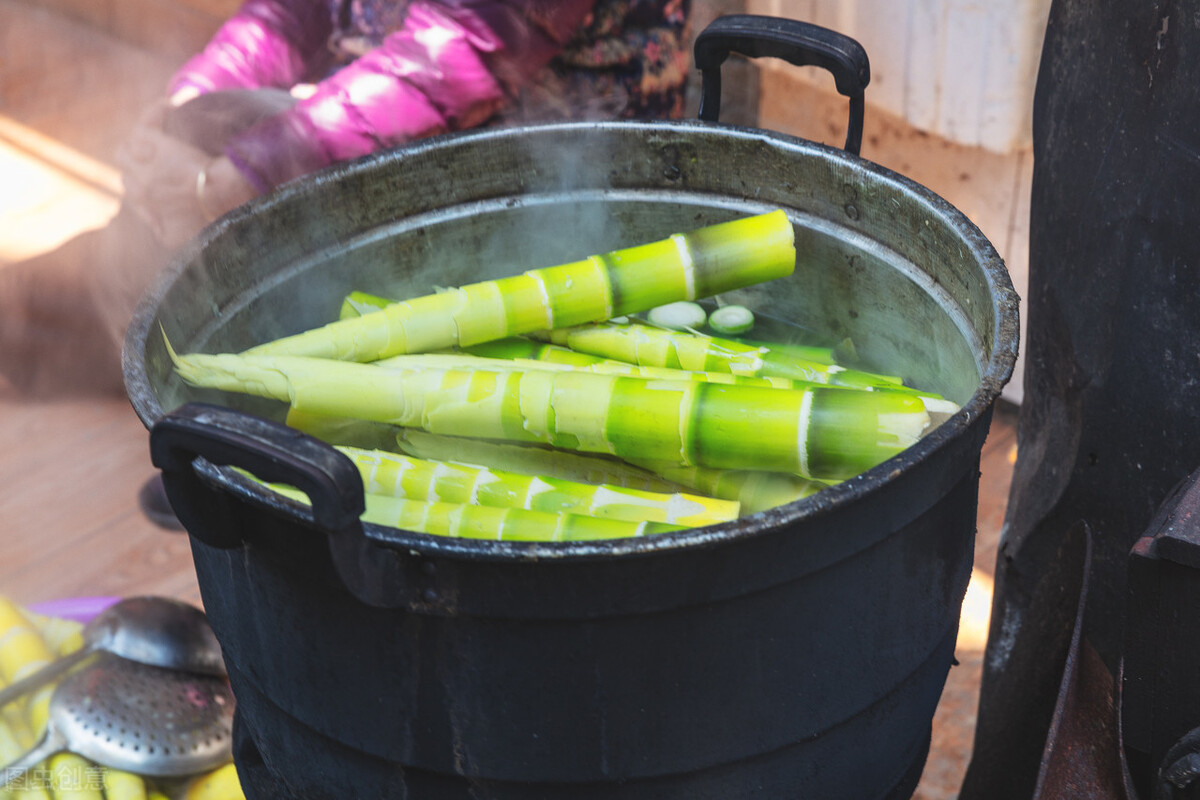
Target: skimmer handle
52 742
43 676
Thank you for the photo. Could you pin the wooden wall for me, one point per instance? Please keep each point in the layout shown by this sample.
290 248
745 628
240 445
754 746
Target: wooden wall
174 29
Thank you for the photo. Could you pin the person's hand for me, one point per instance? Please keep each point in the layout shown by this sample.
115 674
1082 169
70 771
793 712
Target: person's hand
174 187
159 173
183 95
223 188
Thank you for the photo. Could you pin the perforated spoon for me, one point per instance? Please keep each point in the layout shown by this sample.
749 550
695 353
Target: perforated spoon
157 631
132 717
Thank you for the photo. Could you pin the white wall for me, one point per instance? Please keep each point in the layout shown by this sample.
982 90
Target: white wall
961 69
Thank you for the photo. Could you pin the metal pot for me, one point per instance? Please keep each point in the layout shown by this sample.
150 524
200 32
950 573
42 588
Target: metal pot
799 651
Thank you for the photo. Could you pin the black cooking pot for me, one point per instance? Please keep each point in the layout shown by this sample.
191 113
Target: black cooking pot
797 652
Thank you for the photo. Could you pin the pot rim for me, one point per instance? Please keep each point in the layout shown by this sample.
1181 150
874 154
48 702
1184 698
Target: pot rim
998 369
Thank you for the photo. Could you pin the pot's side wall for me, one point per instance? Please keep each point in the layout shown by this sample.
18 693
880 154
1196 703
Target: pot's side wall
266 773
769 688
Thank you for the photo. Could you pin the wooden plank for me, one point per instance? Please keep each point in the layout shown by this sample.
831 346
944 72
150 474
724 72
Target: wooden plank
125 556
71 471
888 40
67 82
214 9
172 28
991 189
97 13
963 73
923 72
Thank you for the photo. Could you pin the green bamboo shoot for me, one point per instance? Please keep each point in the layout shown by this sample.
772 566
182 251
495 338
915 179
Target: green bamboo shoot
356 304
555 363
12 747
504 524
532 460
935 405
525 350
647 345
220 784
344 430
438 481
73 777
520 347
840 355
120 785
489 522
754 491
701 263
819 433
809 358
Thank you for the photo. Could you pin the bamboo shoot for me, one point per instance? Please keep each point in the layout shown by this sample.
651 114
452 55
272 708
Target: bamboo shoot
701 263
438 481
819 433
531 460
489 522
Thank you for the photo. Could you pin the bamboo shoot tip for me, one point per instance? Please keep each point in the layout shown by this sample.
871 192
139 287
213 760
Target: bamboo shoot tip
175 359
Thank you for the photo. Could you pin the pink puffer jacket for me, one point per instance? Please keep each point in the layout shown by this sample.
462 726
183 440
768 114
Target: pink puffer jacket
444 66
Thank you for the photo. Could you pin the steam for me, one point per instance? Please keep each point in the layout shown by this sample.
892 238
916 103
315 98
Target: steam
445 212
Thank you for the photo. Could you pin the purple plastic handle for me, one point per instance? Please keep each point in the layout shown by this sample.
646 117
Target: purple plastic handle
79 609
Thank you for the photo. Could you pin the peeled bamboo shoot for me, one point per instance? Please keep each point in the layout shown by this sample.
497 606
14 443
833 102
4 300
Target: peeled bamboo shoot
606 366
686 266
820 432
647 345
23 652
73 777
531 460
356 304
438 481
120 785
489 522
753 490
220 784
344 430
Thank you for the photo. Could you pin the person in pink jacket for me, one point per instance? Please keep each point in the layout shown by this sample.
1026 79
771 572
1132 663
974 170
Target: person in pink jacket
287 87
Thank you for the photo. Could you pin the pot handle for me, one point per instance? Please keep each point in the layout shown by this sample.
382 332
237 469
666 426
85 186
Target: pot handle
273 452
799 43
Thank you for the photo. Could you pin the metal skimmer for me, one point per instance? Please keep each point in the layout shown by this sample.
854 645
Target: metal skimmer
151 630
129 716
